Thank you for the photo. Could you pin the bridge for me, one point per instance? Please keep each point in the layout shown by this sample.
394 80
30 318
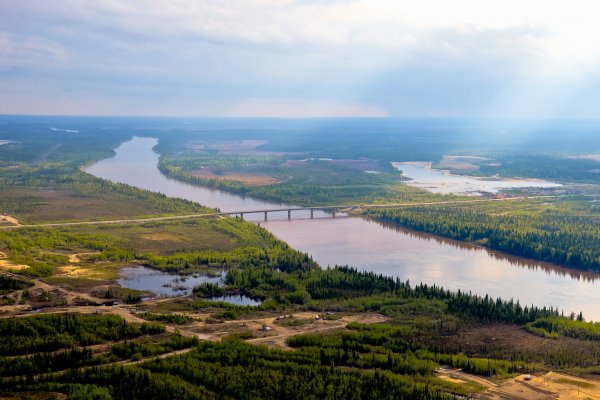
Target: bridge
329 209
352 207
240 213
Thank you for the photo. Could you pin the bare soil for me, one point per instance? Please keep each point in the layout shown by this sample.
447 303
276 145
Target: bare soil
236 147
552 385
248 179
9 219
7 265
266 331
76 257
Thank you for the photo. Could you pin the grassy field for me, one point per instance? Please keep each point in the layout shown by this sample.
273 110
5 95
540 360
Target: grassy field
374 336
560 231
304 181
38 205
89 250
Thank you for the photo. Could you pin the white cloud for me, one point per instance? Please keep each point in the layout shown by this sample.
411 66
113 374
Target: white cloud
316 54
401 29
29 50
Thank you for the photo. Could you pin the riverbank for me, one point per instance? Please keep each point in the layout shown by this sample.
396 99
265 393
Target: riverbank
369 245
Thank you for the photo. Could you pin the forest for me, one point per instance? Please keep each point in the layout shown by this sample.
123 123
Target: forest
47 333
419 329
565 233
310 182
395 359
310 169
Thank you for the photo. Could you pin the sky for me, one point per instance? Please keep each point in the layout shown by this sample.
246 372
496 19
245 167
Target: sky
301 58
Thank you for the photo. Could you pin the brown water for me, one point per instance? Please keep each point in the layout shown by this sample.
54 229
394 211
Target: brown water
377 247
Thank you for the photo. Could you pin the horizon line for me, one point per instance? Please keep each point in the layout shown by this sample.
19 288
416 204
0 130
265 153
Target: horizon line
388 117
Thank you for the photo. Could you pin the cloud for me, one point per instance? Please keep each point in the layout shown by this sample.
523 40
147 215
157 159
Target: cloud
15 51
345 57
281 24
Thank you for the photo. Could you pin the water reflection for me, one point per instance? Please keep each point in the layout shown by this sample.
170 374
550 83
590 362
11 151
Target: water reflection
163 283
172 285
374 246
513 260
238 299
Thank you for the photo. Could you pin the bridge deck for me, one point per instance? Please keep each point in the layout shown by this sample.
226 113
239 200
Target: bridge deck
272 210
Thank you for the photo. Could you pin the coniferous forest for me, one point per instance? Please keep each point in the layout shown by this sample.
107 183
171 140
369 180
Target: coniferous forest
268 322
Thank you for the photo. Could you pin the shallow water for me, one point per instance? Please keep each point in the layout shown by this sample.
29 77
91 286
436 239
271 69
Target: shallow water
163 283
377 247
439 181
172 285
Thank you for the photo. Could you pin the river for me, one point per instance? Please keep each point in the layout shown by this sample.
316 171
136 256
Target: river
369 245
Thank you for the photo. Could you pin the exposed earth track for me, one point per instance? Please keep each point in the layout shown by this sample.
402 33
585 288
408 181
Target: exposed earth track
233 213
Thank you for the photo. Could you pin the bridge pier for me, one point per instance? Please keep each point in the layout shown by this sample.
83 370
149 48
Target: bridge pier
242 216
311 213
333 213
289 214
265 215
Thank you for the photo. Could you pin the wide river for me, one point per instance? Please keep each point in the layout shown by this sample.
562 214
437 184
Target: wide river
376 247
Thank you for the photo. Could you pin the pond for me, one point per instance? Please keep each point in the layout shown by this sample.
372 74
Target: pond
377 247
166 284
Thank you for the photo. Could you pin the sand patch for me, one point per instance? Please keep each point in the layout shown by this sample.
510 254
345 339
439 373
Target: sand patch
76 271
5 264
9 265
73 271
9 219
76 258
248 179
549 386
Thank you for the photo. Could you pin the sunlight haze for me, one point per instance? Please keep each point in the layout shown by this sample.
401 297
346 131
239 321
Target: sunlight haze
531 59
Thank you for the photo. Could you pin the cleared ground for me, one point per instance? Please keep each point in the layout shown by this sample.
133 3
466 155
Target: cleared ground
551 385
248 179
273 330
7 265
25 205
263 327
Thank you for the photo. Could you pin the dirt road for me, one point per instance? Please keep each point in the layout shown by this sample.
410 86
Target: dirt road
550 386
349 207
